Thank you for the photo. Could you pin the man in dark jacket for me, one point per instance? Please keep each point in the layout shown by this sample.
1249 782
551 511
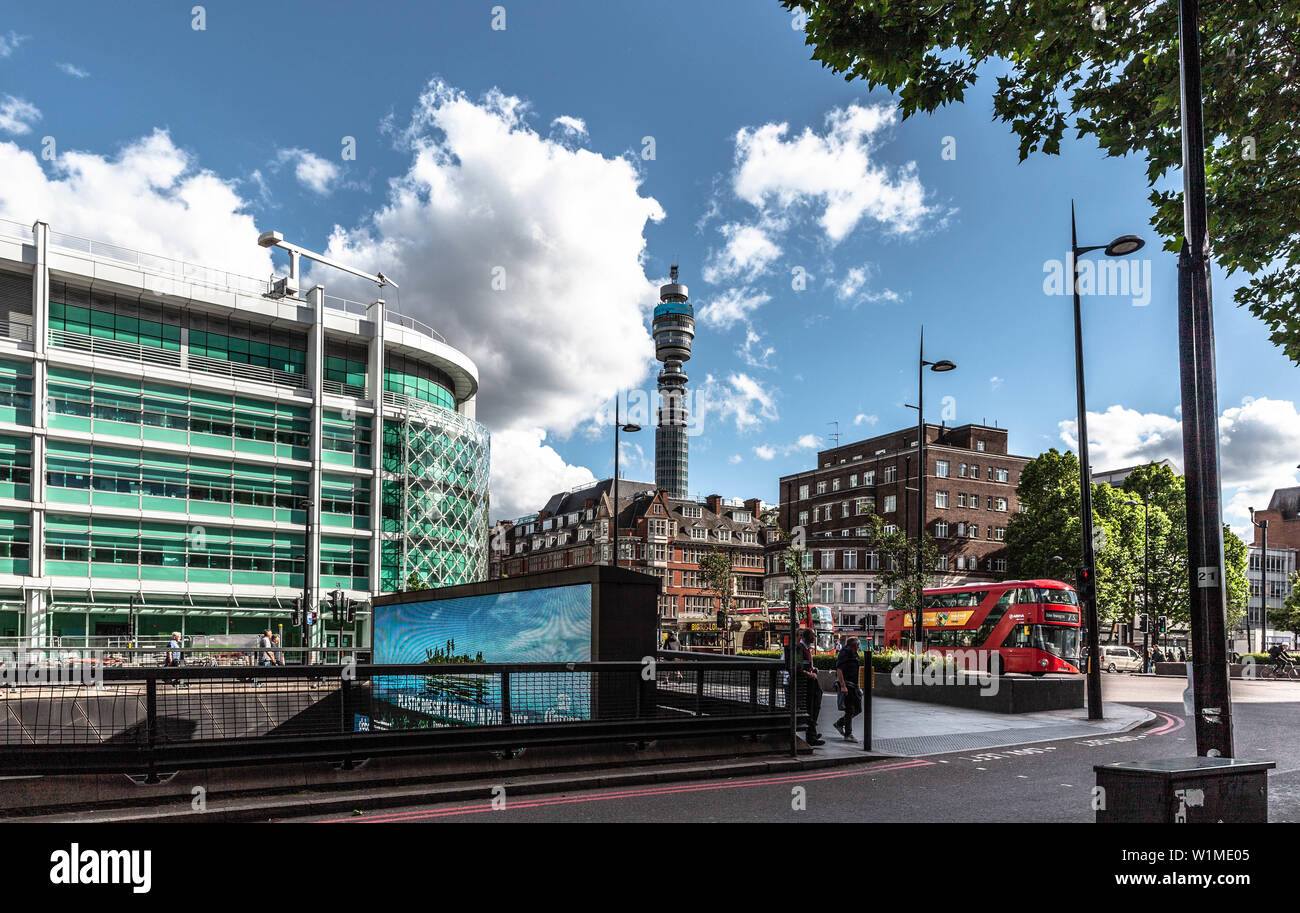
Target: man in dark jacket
847 665
809 684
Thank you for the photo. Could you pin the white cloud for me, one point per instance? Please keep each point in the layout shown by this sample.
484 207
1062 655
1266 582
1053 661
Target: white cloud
315 173
863 419
73 70
9 43
526 471
808 442
730 307
852 284
735 458
1259 446
571 126
748 253
742 399
150 196
764 452
753 354
995 382
17 115
836 171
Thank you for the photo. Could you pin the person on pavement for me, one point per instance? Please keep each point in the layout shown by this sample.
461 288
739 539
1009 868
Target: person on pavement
810 685
847 665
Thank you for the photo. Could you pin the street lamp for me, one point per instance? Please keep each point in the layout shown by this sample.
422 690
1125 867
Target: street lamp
1121 246
629 428
1146 573
939 367
1263 582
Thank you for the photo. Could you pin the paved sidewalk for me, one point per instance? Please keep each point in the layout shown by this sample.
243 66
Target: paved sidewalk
914 728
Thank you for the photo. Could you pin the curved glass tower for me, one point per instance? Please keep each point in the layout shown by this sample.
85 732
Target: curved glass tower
674 331
183 449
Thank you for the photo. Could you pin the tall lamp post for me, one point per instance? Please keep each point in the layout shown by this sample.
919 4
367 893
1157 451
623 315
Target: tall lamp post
629 428
1263 585
1120 247
1146 573
939 367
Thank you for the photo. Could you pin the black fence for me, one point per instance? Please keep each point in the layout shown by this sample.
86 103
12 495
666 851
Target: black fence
145 720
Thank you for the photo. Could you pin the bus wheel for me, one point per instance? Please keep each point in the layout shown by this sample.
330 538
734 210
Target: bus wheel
1037 674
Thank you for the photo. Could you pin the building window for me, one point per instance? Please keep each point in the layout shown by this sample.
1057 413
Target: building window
1001 504
1001 533
698 532
869 477
844 508
828 592
941 529
658 508
828 560
961 499
891 473
961 562
851 560
849 593
724 535
803 518
941 563
835 485
890 529
803 492
1002 475
871 561
821 487
869 593
807 563
941 469
941 499
891 503
853 481
961 470
974 530
974 470
979 445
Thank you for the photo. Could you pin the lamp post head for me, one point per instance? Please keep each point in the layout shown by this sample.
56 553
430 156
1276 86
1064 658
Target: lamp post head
269 238
630 427
1124 245
942 365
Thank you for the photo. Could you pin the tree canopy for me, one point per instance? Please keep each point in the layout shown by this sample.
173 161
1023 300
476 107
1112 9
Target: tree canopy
1048 526
1111 71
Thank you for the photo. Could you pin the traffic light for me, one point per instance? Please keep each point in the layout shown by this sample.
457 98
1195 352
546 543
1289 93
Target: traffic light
1164 624
352 611
722 620
336 604
296 616
1085 586
1144 623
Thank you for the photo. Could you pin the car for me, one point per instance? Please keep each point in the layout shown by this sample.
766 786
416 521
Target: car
1121 659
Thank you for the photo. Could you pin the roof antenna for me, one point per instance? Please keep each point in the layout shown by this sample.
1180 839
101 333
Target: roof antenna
672 272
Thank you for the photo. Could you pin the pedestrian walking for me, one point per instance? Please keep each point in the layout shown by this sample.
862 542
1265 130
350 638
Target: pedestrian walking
173 657
811 686
265 656
847 666
671 642
1182 655
278 652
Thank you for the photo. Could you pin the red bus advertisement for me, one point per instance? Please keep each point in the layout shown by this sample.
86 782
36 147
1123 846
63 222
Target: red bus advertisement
763 628
1033 625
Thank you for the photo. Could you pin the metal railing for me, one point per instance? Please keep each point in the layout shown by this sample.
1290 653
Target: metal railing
153 652
411 323
347 306
159 265
16 230
342 389
145 720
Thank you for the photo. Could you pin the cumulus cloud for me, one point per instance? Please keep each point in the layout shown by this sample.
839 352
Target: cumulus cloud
735 458
526 254
71 69
17 115
748 252
570 126
1259 446
150 196
315 173
764 452
995 382
837 172
753 353
741 398
526 470
731 307
863 419
805 442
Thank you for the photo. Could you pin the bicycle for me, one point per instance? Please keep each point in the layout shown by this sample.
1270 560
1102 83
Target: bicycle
1285 670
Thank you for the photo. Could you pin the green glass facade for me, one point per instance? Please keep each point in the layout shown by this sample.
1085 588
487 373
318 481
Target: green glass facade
170 481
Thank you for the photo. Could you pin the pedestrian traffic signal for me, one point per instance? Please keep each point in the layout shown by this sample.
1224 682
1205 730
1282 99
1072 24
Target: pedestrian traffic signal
1164 624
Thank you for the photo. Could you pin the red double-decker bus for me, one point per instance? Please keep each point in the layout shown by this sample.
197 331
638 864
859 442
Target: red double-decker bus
1033 625
764 627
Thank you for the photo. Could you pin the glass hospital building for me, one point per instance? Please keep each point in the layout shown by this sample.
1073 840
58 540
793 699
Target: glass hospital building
184 449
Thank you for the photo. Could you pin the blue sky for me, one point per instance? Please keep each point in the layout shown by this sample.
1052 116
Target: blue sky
199 136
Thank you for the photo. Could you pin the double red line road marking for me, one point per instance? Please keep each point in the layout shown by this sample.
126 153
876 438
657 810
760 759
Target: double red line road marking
545 801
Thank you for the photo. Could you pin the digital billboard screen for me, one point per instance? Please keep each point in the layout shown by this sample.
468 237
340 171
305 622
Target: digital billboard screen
545 625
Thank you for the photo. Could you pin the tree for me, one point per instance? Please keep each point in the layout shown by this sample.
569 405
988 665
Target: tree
1048 525
1287 618
897 554
1111 71
717 570
795 559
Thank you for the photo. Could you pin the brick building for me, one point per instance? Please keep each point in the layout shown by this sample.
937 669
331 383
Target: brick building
971 493
1270 575
658 535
